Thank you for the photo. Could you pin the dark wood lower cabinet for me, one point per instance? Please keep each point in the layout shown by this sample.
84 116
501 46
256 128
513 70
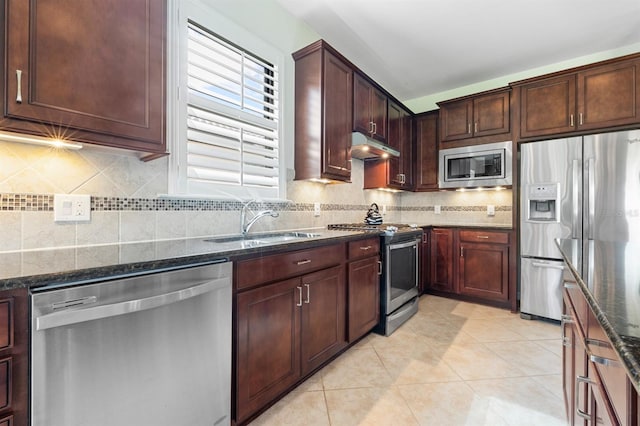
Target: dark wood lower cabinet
14 357
595 384
471 263
284 331
364 296
484 270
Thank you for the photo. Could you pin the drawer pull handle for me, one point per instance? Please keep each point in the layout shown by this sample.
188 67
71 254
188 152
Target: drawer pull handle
564 320
599 343
299 296
303 262
568 285
308 294
579 412
484 237
365 248
19 94
607 362
379 267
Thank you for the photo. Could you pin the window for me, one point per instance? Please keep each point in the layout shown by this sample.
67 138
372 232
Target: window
228 138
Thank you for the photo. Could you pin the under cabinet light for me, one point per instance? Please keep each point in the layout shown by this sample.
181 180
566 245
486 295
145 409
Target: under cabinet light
38 140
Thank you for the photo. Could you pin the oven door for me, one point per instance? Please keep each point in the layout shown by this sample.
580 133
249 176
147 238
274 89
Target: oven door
401 273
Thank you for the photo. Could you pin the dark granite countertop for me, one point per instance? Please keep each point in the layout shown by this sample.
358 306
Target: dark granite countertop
611 287
469 225
84 264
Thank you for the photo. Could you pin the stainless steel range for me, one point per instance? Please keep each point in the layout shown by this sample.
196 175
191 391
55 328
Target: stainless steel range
399 279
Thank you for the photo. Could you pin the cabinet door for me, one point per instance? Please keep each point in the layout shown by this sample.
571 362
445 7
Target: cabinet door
364 296
455 121
336 159
484 270
442 259
323 316
394 167
609 96
406 150
362 120
426 162
268 344
88 66
548 107
424 261
369 109
491 114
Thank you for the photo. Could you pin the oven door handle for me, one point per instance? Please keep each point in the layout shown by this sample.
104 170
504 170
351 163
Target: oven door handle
395 246
62 318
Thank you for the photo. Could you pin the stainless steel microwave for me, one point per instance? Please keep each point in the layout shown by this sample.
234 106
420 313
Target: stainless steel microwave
475 166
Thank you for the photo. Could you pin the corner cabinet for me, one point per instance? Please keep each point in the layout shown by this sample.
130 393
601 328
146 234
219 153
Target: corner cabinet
14 357
323 113
472 263
426 162
481 118
587 98
290 319
89 72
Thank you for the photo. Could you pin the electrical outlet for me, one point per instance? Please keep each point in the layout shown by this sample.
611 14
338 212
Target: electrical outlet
384 209
71 208
436 209
316 209
491 210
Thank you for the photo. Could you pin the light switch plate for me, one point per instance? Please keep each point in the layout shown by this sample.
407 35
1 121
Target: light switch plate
316 209
436 209
491 210
71 208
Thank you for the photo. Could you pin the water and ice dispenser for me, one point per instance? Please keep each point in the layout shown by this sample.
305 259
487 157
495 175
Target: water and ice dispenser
543 202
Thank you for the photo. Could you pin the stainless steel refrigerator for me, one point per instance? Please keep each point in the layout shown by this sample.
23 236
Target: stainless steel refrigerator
585 188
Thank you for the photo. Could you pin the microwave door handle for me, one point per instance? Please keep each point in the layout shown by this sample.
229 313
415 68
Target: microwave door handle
62 318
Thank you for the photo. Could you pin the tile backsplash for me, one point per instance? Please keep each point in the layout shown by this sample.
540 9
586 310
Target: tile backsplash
125 206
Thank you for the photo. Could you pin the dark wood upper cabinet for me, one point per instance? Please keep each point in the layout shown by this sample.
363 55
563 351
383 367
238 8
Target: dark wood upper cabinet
369 109
480 118
426 163
609 95
87 71
394 172
593 97
547 106
323 114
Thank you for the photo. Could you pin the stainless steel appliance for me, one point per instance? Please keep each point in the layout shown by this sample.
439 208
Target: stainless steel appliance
476 165
399 279
585 188
146 350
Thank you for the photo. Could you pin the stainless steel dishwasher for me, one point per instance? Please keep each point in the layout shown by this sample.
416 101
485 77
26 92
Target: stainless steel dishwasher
145 350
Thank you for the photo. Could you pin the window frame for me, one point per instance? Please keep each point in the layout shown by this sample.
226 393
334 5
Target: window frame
180 13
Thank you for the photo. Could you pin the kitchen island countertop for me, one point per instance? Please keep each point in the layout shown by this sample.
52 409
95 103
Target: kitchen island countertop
612 290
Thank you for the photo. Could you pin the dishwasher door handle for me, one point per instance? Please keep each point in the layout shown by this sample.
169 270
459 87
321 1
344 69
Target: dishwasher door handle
62 318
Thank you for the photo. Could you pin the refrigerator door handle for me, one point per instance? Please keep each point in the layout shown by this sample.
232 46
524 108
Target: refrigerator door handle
575 217
591 206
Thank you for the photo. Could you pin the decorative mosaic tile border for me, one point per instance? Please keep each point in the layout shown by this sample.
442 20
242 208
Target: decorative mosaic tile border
40 202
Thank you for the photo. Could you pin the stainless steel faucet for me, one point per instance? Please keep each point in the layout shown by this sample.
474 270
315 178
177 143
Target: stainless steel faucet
245 226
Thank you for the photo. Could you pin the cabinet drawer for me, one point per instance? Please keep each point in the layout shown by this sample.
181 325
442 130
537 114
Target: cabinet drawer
5 383
364 248
496 237
283 265
6 323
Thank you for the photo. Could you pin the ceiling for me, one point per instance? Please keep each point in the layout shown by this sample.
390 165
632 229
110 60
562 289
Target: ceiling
415 48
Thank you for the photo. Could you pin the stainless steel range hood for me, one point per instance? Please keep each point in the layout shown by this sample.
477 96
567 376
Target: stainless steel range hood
363 147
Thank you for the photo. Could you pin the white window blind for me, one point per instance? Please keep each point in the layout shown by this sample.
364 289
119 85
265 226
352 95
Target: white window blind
232 118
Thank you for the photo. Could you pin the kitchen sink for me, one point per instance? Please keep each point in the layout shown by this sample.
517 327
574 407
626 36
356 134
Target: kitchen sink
253 240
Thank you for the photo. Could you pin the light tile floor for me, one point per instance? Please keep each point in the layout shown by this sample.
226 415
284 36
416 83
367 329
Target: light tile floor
453 363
